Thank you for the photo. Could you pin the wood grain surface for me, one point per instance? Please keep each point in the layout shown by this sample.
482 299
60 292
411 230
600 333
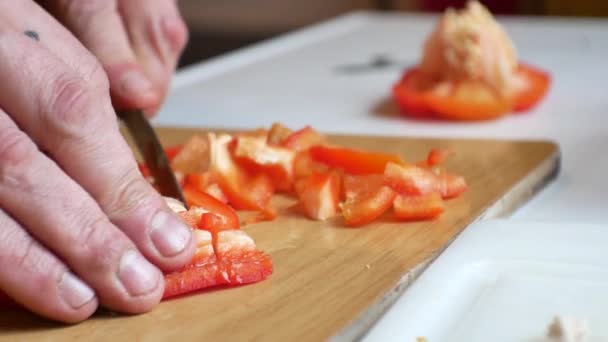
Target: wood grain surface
330 282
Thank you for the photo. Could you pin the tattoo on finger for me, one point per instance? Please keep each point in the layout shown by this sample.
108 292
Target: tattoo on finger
32 34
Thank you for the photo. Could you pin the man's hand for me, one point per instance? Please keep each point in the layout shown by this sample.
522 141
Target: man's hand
138 42
79 226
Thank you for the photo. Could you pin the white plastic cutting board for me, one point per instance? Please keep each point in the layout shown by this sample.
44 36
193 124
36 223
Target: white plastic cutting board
505 281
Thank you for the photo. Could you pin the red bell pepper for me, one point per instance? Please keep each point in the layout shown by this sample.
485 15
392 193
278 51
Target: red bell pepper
422 207
534 85
419 94
352 161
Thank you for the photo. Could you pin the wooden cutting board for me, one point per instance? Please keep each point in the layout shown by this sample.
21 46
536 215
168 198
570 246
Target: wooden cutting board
329 281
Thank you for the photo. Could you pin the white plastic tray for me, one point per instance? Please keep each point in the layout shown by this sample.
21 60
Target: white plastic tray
506 281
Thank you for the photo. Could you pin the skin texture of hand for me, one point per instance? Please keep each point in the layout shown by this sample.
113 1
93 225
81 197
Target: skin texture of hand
138 43
79 225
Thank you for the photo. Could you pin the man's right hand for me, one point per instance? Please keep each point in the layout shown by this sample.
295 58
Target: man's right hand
79 226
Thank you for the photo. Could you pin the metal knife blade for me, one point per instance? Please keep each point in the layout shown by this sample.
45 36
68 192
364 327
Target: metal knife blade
153 153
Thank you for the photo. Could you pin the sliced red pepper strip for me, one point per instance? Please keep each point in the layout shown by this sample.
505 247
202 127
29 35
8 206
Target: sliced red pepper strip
352 161
192 279
245 268
207 202
224 257
416 208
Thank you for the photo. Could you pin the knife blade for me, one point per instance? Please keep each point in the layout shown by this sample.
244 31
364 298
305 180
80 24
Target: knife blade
149 146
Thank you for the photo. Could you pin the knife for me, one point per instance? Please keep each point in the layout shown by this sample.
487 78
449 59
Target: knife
153 153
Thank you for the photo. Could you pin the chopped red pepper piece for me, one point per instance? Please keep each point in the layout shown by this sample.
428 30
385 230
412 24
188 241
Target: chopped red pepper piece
319 195
437 156
193 157
239 260
243 192
422 207
365 202
415 180
303 139
304 166
278 133
256 156
172 151
352 161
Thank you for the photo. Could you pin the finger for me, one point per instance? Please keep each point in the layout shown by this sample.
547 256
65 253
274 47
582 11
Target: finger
158 36
38 280
99 27
63 217
71 118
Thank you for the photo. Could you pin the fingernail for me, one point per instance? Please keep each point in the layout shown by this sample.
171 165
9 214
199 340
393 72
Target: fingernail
74 292
137 275
169 234
135 84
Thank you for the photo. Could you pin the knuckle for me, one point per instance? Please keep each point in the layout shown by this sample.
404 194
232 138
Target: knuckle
70 109
97 76
100 247
131 192
17 153
24 253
